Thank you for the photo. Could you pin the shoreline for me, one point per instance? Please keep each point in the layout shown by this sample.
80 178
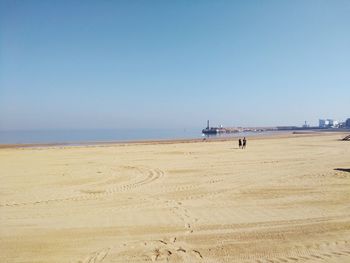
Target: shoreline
282 134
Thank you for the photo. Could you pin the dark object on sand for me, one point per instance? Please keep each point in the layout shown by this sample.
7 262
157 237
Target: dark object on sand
239 143
343 169
346 138
244 142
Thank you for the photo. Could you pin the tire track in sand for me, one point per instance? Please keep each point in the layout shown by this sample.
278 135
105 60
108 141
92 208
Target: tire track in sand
318 252
96 257
146 176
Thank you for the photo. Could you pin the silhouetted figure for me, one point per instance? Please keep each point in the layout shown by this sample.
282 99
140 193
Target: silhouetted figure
240 143
244 143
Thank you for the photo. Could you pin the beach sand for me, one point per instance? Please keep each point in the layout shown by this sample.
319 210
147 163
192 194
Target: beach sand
280 200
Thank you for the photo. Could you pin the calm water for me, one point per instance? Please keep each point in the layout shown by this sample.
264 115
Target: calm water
80 136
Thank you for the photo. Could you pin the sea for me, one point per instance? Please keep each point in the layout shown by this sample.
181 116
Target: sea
108 135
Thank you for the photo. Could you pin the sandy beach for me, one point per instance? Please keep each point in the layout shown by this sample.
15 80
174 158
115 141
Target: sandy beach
280 200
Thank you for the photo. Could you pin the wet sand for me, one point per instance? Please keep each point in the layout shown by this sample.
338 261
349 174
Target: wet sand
283 199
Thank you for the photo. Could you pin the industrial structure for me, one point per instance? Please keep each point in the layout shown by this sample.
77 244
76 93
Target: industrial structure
324 125
328 123
347 123
213 130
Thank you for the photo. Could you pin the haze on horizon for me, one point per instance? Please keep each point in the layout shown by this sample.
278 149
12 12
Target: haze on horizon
172 64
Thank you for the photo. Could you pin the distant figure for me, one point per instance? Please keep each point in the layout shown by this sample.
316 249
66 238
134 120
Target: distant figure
244 143
240 143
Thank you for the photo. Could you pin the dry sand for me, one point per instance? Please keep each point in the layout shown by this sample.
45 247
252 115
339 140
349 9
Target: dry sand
280 200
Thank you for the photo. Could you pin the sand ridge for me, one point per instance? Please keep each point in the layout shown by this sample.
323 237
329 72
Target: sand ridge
282 199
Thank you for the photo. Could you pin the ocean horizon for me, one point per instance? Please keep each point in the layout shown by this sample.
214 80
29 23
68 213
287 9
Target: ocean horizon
76 136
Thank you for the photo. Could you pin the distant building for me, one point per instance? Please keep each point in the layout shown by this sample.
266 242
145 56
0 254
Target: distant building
306 125
347 123
328 123
322 123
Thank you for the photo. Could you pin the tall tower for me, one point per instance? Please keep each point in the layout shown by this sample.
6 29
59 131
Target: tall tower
208 124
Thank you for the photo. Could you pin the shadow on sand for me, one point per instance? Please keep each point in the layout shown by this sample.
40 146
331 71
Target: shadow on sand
343 169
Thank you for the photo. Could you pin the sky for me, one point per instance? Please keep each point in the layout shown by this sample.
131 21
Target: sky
172 64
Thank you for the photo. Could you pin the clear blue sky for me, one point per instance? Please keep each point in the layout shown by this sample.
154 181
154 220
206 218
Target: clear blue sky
172 64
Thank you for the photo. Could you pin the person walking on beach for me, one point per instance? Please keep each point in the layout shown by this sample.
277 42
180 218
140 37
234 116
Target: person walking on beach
240 143
244 143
